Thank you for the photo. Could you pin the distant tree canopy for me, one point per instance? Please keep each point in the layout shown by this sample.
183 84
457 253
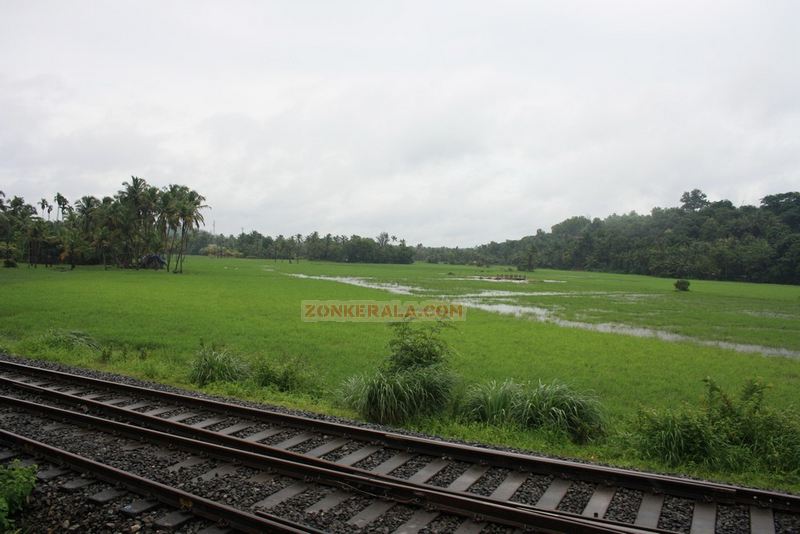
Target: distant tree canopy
699 239
354 249
139 221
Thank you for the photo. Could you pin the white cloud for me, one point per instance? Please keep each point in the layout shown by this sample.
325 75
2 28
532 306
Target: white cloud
445 123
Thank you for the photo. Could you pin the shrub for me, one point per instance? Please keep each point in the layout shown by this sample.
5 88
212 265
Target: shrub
724 431
676 437
682 285
395 397
212 365
554 406
16 484
413 381
415 347
290 375
10 263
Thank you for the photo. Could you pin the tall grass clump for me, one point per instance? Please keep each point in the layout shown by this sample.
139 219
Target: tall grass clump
395 397
216 365
727 431
413 381
553 406
69 340
287 376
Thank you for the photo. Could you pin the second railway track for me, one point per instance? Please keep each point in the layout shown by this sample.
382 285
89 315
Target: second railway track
549 491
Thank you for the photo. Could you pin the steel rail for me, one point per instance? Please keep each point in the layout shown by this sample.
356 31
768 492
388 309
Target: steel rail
395 490
657 483
174 428
199 506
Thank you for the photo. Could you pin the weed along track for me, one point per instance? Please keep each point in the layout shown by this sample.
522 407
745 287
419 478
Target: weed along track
302 473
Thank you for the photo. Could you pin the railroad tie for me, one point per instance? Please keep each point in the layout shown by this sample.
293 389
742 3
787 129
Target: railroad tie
418 521
282 495
224 469
327 447
191 461
599 502
429 471
509 486
264 434
158 411
370 513
555 492
470 527
173 519
649 510
53 472
331 500
392 463
295 440
139 506
77 483
704 518
358 455
262 478
107 495
116 400
761 520
207 422
468 478
181 417
7 454
233 429
140 404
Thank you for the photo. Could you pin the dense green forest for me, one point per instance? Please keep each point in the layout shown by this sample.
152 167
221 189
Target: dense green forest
698 239
354 249
140 226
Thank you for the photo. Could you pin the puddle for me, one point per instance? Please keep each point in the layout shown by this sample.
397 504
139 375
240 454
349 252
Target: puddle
770 315
397 289
486 279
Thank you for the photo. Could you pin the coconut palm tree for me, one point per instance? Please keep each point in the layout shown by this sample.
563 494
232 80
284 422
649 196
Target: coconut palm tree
189 209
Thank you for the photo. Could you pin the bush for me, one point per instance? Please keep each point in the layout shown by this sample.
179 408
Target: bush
554 406
212 365
413 381
416 347
16 484
724 431
676 437
395 397
682 285
10 263
291 375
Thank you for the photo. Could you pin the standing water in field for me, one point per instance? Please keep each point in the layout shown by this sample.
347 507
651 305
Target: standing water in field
499 301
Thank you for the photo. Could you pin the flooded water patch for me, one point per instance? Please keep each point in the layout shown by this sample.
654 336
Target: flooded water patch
397 289
546 315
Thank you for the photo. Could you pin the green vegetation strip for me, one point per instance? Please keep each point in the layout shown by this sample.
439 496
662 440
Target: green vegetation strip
148 325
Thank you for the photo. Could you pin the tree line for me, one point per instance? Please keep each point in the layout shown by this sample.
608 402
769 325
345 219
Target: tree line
340 248
140 226
697 239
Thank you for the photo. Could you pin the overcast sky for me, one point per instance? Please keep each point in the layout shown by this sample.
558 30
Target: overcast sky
447 123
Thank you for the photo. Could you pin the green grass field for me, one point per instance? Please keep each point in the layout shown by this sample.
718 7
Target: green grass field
156 321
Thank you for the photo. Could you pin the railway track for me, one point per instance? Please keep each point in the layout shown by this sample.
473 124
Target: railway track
467 488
